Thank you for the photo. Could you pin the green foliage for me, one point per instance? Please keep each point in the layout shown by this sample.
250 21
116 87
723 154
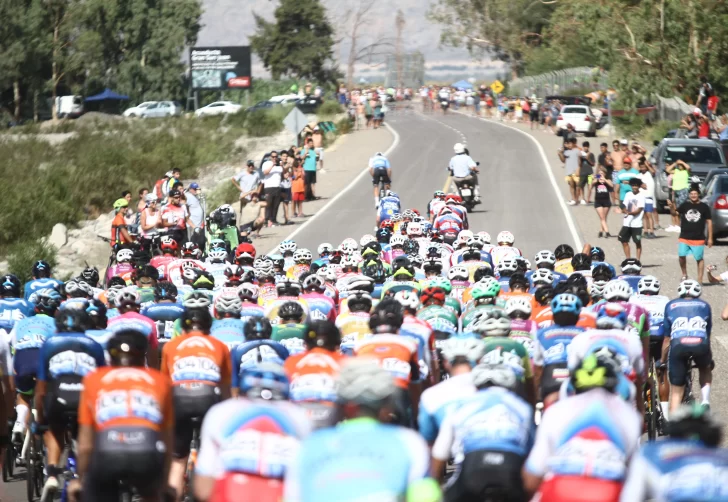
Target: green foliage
659 130
344 126
329 109
630 125
260 123
225 193
23 254
299 43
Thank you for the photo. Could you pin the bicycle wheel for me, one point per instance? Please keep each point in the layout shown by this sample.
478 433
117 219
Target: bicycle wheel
688 394
8 462
33 472
651 399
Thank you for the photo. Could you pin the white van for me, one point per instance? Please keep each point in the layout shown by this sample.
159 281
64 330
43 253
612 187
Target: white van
69 106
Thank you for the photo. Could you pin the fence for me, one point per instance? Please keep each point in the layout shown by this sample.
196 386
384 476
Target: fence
583 79
413 70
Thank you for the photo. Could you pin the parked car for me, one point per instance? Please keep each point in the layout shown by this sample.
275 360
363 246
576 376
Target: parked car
69 106
580 116
716 196
703 155
285 99
162 109
713 173
136 111
309 104
217 108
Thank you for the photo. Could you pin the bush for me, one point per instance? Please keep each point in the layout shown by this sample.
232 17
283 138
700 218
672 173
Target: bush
23 255
225 193
329 109
660 129
344 126
260 123
630 125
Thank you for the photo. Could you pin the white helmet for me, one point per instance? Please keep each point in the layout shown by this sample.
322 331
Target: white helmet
689 287
264 268
314 281
508 264
519 304
498 375
545 256
596 290
325 248
485 237
124 255
542 276
348 261
506 237
349 246
287 246
303 255
397 240
128 296
228 303
408 299
473 349
458 273
649 284
414 229
463 237
475 241
217 255
617 290
493 323
458 148
366 239
327 273
249 292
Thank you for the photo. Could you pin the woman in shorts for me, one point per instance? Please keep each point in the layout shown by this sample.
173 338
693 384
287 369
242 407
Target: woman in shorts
603 187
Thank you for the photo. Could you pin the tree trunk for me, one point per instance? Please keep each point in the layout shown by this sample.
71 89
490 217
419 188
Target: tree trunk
16 99
352 56
35 105
54 68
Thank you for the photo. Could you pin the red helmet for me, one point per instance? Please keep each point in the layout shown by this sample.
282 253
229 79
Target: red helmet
387 224
416 211
168 244
432 295
245 250
452 197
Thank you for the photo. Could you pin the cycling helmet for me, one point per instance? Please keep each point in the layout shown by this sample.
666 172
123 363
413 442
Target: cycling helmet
191 250
611 316
390 193
484 237
469 348
441 282
596 290
203 280
263 269
617 290
414 229
545 257
563 252
410 247
245 252
581 261
362 381
475 242
387 317
349 263
248 293
291 311
196 300
485 289
124 255
257 328
10 286
602 272
360 283
544 294
439 194
73 318
196 319
41 269
165 290
519 304
486 375
288 287
631 266
463 237
408 214
375 271
384 235
302 256
566 303
471 254
648 284
542 276
595 372
491 323
689 288
359 301
90 275
577 280
397 240
459 148
458 273
313 283
408 299
396 217
432 295
96 311
516 280
366 239
128 296
694 421
277 260
507 267
417 260
325 249
482 272
265 381
228 303
432 266
217 255
47 301
112 291
597 254
235 273
505 237
76 289
168 244
287 246
348 246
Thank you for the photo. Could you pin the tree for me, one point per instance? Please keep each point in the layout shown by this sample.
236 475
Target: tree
64 15
299 43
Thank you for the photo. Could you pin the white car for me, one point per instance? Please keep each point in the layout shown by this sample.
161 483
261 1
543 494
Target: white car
580 116
285 99
217 108
136 111
162 109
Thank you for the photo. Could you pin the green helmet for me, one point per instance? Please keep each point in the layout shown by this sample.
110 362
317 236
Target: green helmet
440 282
487 288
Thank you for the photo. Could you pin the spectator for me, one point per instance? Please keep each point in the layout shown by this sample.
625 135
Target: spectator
286 181
605 160
272 172
318 144
625 175
646 174
618 154
160 187
119 232
603 186
586 171
633 207
569 133
703 127
533 113
253 216
142 199
298 189
247 182
680 172
309 166
175 217
126 194
195 231
176 173
689 123
151 216
569 155
705 91
695 216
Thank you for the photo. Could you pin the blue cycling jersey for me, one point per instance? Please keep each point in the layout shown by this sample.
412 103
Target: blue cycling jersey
552 343
248 354
505 284
437 402
632 280
379 162
388 207
484 257
100 336
38 284
687 318
69 354
164 315
377 293
229 331
13 310
32 332
249 310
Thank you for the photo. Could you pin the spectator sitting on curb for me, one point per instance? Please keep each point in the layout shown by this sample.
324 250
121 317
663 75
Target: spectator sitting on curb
247 182
252 216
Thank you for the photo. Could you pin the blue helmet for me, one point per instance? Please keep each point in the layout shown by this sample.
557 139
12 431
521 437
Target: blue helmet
47 301
597 253
264 381
612 316
383 235
566 303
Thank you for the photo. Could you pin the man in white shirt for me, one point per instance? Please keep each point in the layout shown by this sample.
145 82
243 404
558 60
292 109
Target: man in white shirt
272 177
195 230
633 208
648 190
464 169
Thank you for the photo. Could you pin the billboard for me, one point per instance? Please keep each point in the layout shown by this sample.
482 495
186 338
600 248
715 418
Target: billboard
220 68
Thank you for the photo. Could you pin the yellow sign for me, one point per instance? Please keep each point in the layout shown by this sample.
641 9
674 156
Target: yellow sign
497 87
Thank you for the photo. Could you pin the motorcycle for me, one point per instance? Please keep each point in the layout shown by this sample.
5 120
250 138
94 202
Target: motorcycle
444 105
466 190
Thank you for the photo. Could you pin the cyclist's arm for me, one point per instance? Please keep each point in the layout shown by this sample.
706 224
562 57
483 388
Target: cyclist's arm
441 449
208 466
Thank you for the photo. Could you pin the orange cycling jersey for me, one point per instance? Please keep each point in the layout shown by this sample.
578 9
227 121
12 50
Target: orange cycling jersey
396 354
313 374
545 318
126 397
197 358
505 296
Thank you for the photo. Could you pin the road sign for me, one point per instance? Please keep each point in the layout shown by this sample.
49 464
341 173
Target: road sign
497 87
295 121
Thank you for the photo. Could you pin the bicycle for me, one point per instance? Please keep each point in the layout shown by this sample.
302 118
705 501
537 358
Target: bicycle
9 462
32 454
187 495
653 407
69 452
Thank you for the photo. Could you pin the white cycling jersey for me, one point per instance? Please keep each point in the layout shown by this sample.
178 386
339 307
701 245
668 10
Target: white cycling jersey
655 307
626 345
499 253
437 401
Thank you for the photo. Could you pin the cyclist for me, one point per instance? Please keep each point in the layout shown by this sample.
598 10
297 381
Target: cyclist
575 431
288 290
599 258
490 456
361 458
484 296
123 267
419 331
302 263
518 287
169 248
697 473
313 373
321 305
97 331
145 278
563 254
227 325
126 423
354 323
64 360
523 329
442 319
27 338
381 171
290 331
42 279
249 308
257 348
631 273
129 304
437 203
165 309
619 291
688 322
505 248
12 307
448 224
541 277
216 263
545 259
387 207
581 263
464 169
459 278
199 366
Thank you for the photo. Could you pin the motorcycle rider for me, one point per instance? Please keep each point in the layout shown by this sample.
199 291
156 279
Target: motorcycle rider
464 169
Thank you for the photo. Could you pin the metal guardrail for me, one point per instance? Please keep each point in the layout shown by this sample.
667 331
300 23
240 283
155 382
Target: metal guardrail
558 82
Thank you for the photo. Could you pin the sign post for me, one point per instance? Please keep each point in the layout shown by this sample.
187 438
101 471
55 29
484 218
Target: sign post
295 121
497 87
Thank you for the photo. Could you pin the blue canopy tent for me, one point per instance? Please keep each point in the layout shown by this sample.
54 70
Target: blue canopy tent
107 94
107 101
463 85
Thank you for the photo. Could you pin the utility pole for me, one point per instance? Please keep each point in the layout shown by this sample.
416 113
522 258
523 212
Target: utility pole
399 23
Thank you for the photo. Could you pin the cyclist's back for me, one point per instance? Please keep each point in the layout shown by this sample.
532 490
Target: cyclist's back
654 305
37 284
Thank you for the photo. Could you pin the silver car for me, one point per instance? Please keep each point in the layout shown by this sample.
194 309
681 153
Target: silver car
716 196
162 109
